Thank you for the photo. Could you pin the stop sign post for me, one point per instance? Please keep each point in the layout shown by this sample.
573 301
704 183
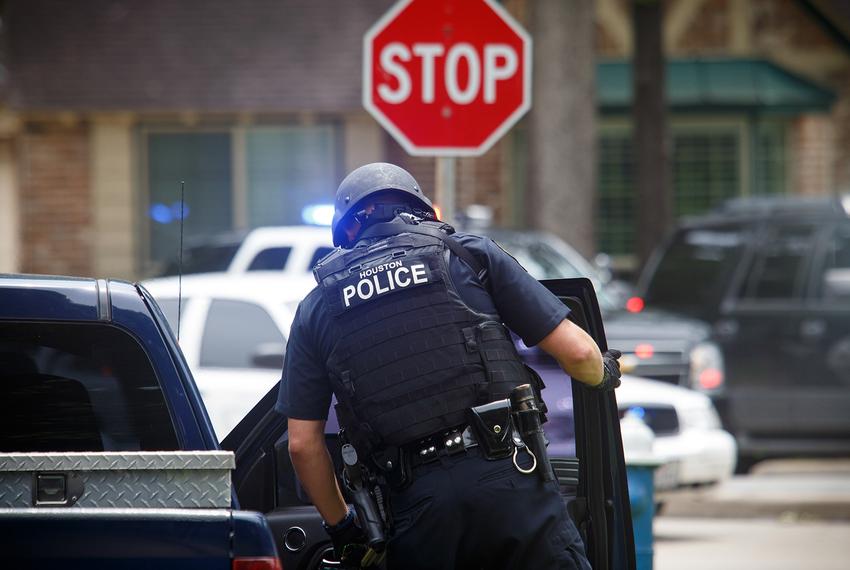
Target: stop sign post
447 78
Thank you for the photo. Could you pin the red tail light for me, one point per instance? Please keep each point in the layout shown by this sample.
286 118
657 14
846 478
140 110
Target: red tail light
265 563
634 305
644 351
710 379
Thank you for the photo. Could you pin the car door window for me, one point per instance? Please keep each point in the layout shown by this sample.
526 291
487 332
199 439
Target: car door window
235 333
270 259
778 271
202 259
834 282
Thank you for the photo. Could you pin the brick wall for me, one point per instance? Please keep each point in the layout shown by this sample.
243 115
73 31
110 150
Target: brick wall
56 218
708 33
812 155
841 120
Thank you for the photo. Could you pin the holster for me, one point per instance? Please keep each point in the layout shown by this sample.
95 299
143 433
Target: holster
491 423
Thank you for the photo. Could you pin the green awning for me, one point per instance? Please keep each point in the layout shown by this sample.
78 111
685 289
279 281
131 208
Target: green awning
707 85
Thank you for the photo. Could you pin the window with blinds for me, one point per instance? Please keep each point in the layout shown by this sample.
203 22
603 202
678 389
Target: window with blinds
769 159
234 178
615 227
202 161
289 168
706 168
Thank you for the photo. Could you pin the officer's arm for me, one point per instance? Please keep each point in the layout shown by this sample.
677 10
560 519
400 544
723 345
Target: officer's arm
314 466
575 351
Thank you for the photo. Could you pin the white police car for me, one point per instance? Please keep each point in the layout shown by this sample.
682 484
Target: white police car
233 332
292 250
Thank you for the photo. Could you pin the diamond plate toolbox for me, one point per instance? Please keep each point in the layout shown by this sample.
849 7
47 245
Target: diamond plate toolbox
172 479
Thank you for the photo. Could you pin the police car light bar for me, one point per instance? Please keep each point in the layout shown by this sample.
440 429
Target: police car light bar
318 214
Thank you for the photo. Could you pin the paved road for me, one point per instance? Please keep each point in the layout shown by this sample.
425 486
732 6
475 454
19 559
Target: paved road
751 544
784 515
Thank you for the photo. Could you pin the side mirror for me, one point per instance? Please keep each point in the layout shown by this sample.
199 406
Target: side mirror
268 355
837 283
602 261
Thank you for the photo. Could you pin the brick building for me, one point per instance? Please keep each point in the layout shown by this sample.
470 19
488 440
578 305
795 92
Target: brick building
109 104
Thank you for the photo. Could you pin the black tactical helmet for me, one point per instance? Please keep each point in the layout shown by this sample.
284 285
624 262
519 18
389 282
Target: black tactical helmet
367 181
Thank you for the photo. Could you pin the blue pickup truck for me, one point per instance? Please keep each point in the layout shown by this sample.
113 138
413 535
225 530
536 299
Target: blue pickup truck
91 375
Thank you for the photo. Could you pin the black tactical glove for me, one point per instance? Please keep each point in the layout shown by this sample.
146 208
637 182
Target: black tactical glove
349 542
611 371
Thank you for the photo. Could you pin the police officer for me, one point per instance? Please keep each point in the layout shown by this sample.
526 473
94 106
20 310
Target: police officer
407 328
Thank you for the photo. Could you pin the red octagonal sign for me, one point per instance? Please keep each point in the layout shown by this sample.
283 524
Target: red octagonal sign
447 77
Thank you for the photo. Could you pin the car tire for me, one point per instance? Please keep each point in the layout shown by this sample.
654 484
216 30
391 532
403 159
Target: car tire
745 464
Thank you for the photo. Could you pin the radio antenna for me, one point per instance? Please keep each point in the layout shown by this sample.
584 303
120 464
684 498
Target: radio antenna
180 259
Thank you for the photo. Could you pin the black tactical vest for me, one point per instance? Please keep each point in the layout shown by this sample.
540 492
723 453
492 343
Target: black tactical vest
410 357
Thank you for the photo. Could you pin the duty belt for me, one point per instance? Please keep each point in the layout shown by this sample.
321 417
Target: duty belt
444 443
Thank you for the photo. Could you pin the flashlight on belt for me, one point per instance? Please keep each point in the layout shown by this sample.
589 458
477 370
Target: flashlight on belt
529 420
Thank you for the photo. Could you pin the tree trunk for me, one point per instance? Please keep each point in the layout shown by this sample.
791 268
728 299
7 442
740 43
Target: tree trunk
562 122
651 139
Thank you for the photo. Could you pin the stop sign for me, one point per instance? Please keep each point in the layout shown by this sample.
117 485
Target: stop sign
447 77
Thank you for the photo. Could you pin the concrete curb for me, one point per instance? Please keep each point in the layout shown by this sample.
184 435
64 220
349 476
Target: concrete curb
786 510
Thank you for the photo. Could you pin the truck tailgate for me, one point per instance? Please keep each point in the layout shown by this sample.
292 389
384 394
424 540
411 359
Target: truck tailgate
116 538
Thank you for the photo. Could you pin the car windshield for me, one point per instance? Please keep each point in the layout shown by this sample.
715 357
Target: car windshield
544 261
203 259
695 268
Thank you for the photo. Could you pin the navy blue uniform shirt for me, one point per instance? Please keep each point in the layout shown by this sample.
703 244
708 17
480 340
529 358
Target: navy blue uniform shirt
524 305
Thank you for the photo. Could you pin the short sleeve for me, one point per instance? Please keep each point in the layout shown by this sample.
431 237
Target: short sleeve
305 391
523 303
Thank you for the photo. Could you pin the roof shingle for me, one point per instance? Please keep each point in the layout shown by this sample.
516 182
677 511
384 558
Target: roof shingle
208 55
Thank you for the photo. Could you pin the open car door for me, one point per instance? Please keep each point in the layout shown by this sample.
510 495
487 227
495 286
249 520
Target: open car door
601 508
586 449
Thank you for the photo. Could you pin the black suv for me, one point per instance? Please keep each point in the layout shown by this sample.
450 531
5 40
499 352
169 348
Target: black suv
772 278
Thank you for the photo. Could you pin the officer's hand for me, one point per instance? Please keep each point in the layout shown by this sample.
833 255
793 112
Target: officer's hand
349 542
345 535
611 371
